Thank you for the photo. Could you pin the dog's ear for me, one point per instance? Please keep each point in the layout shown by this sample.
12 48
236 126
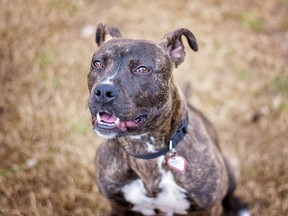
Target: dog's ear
105 33
172 43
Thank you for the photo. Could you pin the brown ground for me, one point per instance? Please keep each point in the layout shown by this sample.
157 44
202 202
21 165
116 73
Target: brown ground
239 79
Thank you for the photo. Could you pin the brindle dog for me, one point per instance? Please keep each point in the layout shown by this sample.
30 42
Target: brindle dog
161 156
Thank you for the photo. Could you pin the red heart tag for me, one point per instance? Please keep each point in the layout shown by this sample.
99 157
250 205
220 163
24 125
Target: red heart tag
177 163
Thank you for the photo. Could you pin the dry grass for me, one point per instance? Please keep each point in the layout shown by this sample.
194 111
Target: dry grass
239 78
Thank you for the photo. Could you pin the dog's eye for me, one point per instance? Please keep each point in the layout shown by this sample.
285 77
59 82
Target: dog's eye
98 64
142 69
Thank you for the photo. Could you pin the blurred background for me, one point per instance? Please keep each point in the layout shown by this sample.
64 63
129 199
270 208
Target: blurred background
238 78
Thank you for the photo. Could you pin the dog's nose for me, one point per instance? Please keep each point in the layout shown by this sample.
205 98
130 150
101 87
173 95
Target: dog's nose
105 93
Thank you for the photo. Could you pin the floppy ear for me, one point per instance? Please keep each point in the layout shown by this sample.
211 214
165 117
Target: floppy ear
172 43
105 33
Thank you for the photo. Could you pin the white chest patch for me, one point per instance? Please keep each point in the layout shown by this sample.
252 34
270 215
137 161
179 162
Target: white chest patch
171 199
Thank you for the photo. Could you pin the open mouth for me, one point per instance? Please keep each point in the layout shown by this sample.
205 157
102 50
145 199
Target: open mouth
106 120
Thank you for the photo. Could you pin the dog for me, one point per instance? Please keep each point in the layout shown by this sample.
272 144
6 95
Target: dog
161 155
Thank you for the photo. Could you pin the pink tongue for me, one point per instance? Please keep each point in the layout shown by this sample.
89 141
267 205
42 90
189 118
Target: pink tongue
108 118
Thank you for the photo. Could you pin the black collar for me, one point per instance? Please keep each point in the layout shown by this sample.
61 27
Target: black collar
173 142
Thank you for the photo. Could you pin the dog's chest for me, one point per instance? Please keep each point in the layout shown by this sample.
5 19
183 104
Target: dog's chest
171 198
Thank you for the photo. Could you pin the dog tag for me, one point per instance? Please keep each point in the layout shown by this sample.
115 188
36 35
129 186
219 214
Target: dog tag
177 163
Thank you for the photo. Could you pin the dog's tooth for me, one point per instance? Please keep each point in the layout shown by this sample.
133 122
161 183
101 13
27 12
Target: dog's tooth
117 121
98 117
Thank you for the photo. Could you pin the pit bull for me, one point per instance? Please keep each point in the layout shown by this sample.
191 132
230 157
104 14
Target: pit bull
161 155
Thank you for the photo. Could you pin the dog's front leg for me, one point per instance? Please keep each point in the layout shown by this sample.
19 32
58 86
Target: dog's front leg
112 173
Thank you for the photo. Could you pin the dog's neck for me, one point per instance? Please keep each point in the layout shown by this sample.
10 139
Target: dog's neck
152 140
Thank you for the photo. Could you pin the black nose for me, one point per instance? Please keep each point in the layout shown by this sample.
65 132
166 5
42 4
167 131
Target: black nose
105 93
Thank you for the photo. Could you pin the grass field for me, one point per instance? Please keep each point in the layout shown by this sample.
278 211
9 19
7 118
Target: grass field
239 79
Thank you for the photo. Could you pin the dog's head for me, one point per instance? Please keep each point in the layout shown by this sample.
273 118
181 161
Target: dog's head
130 81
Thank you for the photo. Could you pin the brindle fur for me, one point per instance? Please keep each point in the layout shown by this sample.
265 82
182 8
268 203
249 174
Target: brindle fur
208 184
